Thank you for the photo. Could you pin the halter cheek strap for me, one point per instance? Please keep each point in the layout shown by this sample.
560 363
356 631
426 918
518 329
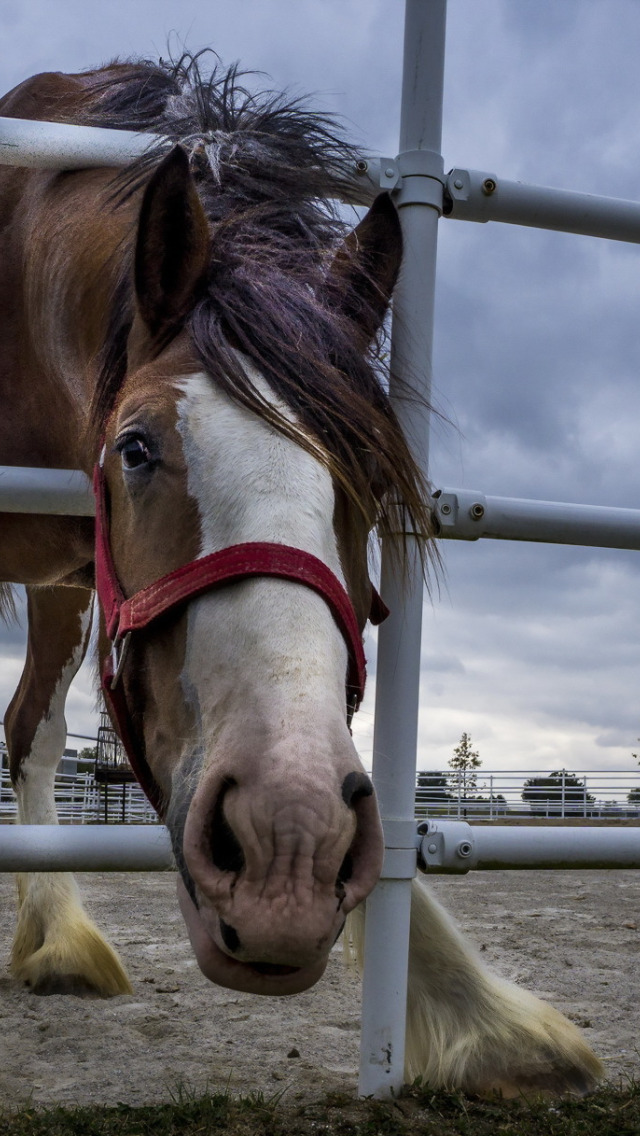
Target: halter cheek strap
123 616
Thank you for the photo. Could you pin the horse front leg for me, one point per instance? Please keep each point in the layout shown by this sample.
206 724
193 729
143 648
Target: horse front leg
57 948
469 1029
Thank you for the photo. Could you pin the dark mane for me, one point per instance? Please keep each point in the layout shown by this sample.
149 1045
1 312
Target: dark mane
267 171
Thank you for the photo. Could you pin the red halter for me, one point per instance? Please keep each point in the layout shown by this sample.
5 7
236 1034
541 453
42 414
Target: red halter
238 562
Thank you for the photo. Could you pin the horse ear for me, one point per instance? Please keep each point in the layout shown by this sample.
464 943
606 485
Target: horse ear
365 269
172 249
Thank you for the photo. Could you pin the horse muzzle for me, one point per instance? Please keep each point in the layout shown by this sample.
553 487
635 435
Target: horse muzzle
268 879
224 970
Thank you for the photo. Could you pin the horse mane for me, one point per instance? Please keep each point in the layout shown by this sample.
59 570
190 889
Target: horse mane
268 170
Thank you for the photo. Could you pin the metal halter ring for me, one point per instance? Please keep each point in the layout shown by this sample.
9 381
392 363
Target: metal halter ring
119 649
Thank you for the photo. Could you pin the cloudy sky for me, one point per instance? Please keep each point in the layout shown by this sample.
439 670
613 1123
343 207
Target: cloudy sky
532 649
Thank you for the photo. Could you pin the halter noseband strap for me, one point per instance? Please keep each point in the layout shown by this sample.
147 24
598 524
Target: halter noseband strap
237 562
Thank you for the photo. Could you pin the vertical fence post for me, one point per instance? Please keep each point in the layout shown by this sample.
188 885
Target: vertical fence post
398 672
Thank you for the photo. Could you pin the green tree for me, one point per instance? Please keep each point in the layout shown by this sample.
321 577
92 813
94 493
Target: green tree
549 794
432 792
634 796
464 762
87 756
435 786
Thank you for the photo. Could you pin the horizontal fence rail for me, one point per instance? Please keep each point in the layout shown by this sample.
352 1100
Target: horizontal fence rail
454 847
94 848
114 848
443 847
464 514
60 145
473 195
54 491
466 195
37 144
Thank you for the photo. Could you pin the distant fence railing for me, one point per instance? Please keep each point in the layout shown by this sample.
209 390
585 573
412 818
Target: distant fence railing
81 800
485 794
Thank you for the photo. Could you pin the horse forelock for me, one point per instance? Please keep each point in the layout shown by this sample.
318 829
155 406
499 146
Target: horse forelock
266 170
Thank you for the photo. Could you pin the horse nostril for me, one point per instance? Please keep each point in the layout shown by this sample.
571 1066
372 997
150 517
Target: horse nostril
346 869
355 786
344 875
226 851
360 868
230 937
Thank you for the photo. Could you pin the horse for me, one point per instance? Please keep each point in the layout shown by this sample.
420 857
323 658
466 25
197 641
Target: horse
200 332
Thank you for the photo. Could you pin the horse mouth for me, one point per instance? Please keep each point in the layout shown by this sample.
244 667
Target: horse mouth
272 968
250 977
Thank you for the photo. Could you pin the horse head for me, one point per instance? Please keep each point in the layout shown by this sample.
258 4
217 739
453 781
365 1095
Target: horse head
235 696
206 315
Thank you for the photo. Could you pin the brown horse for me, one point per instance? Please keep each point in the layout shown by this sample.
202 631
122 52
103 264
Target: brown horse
197 331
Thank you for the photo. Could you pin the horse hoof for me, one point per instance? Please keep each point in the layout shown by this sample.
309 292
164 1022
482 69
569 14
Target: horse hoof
78 961
558 1063
552 1085
74 984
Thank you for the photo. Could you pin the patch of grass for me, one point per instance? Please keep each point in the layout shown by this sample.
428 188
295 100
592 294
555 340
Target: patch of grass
613 1111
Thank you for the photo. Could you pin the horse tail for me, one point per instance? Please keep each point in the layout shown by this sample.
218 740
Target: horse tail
8 609
469 1029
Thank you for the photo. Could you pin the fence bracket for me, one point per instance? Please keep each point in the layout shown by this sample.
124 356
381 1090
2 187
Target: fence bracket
455 847
446 847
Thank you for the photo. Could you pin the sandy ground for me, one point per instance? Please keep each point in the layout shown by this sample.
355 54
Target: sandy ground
571 937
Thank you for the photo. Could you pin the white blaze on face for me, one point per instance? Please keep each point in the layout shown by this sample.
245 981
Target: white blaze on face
273 640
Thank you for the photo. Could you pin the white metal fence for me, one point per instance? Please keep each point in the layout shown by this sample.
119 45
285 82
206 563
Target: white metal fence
605 795
81 800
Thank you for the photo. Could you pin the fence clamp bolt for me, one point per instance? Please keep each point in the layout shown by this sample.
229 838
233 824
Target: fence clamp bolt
446 846
390 177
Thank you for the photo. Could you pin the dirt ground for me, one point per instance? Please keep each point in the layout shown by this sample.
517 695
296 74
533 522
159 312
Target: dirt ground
572 937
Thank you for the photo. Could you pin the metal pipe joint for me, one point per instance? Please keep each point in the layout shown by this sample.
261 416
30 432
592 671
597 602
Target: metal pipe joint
446 847
400 849
465 514
478 195
455 847
415 177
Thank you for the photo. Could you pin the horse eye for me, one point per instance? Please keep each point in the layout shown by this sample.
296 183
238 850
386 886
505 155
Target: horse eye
134 452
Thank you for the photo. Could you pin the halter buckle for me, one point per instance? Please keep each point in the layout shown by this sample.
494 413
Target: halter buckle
119 649
352 706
